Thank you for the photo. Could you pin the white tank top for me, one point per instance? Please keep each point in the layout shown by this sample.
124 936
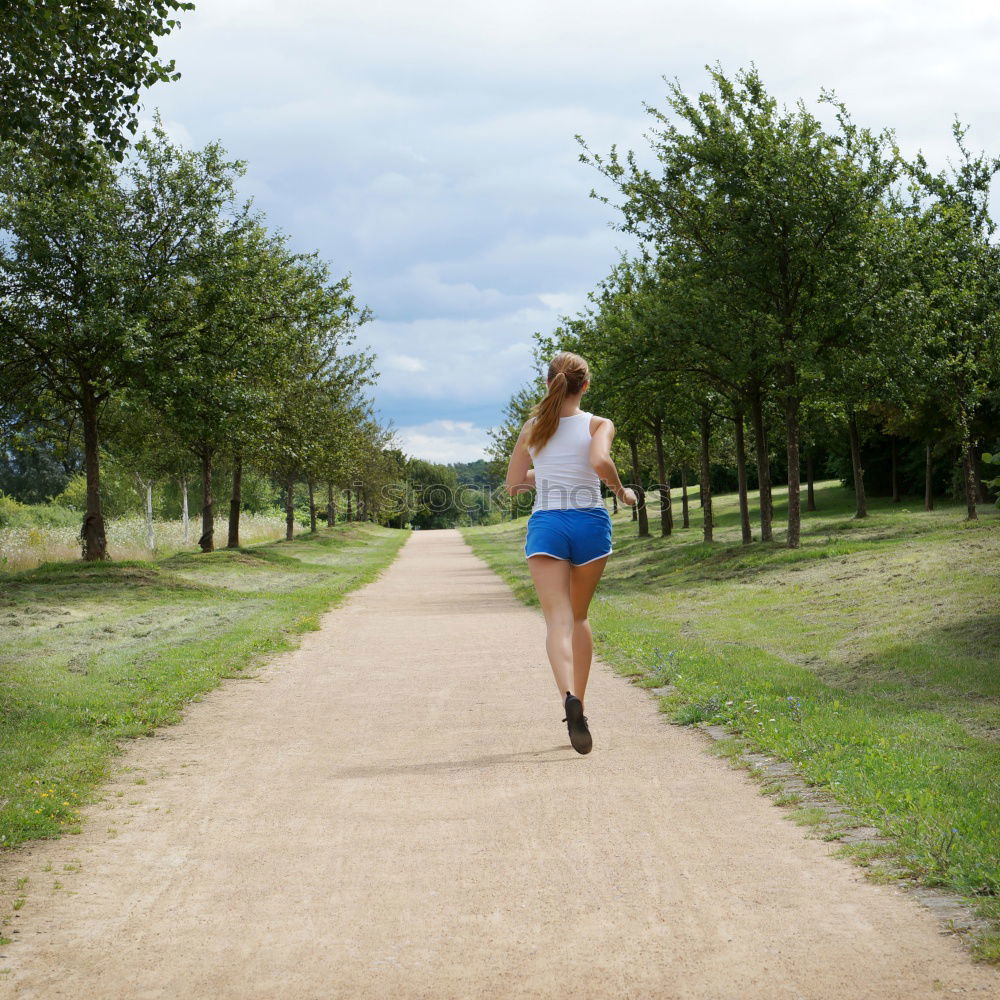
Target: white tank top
564 478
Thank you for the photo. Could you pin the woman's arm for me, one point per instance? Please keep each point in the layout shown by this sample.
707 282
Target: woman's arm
520 476
603 464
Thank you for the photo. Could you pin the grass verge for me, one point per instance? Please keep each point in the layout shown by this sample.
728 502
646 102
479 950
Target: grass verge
868 659
94 653
32 535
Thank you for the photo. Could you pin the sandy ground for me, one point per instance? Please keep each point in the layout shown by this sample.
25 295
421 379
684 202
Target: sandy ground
394 811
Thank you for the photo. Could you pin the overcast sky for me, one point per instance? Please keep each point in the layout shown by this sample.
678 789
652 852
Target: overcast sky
427 147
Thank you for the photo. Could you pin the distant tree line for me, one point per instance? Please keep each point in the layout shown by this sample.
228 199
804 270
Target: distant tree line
801 282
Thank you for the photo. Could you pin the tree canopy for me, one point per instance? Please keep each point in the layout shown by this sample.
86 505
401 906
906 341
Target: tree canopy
71 74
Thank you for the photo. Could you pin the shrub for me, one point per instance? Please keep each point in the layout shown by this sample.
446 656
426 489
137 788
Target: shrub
9 510
120 496
49 515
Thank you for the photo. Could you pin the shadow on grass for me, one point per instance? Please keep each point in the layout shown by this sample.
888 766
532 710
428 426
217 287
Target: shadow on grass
66 584
829 532
975 636
957 658
259 557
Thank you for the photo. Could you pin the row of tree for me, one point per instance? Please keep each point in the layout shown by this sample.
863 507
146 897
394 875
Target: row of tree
147 311
798 279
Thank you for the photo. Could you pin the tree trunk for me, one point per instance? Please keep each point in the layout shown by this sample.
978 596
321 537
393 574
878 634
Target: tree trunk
640 511
331 507
185 513
670 502
235 503
969 476
741 475
685 512
150 536
977 472
350 512
810 492
207 540
763 464
705 484
894 453
929 477
313 528
614 504
792 433
666 514
93 543
289 509
859 473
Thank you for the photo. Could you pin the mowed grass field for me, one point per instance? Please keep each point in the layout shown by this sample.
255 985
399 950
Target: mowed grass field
92 653
869 659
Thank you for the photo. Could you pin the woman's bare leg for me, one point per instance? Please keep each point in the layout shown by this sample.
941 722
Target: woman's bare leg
582 584
551 577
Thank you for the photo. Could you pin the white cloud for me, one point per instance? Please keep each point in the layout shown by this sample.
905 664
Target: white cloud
444 441
405 363
466 361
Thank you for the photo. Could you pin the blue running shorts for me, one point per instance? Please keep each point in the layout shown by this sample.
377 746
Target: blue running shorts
577 535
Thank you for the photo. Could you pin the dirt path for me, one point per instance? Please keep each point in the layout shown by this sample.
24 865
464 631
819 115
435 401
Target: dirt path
394 811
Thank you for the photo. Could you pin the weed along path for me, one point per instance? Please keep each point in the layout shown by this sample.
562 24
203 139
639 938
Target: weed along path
394 810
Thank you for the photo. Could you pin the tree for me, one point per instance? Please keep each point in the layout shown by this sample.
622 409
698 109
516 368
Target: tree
775 210
959 272
376 470
136 438
222 346
343 430
322 376
72 73
83 268
635 382
696 345
36 462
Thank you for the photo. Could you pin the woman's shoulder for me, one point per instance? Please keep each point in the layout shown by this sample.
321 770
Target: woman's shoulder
596 423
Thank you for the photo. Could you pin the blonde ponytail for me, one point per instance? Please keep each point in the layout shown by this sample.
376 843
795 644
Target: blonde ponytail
568 373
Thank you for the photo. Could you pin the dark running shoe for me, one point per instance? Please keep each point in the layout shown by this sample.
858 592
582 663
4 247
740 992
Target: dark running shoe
576 723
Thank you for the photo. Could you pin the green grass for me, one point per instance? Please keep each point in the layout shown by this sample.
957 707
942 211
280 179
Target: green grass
93 653
869 658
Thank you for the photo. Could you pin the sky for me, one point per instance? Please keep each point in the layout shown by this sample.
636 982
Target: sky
427 147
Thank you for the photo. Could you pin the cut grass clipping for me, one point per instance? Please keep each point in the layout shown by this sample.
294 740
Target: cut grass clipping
97 652
869 659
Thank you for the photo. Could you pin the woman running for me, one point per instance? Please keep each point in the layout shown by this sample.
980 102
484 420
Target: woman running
569 530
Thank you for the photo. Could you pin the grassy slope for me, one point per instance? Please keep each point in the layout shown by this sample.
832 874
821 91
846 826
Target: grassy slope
93 653
870 658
